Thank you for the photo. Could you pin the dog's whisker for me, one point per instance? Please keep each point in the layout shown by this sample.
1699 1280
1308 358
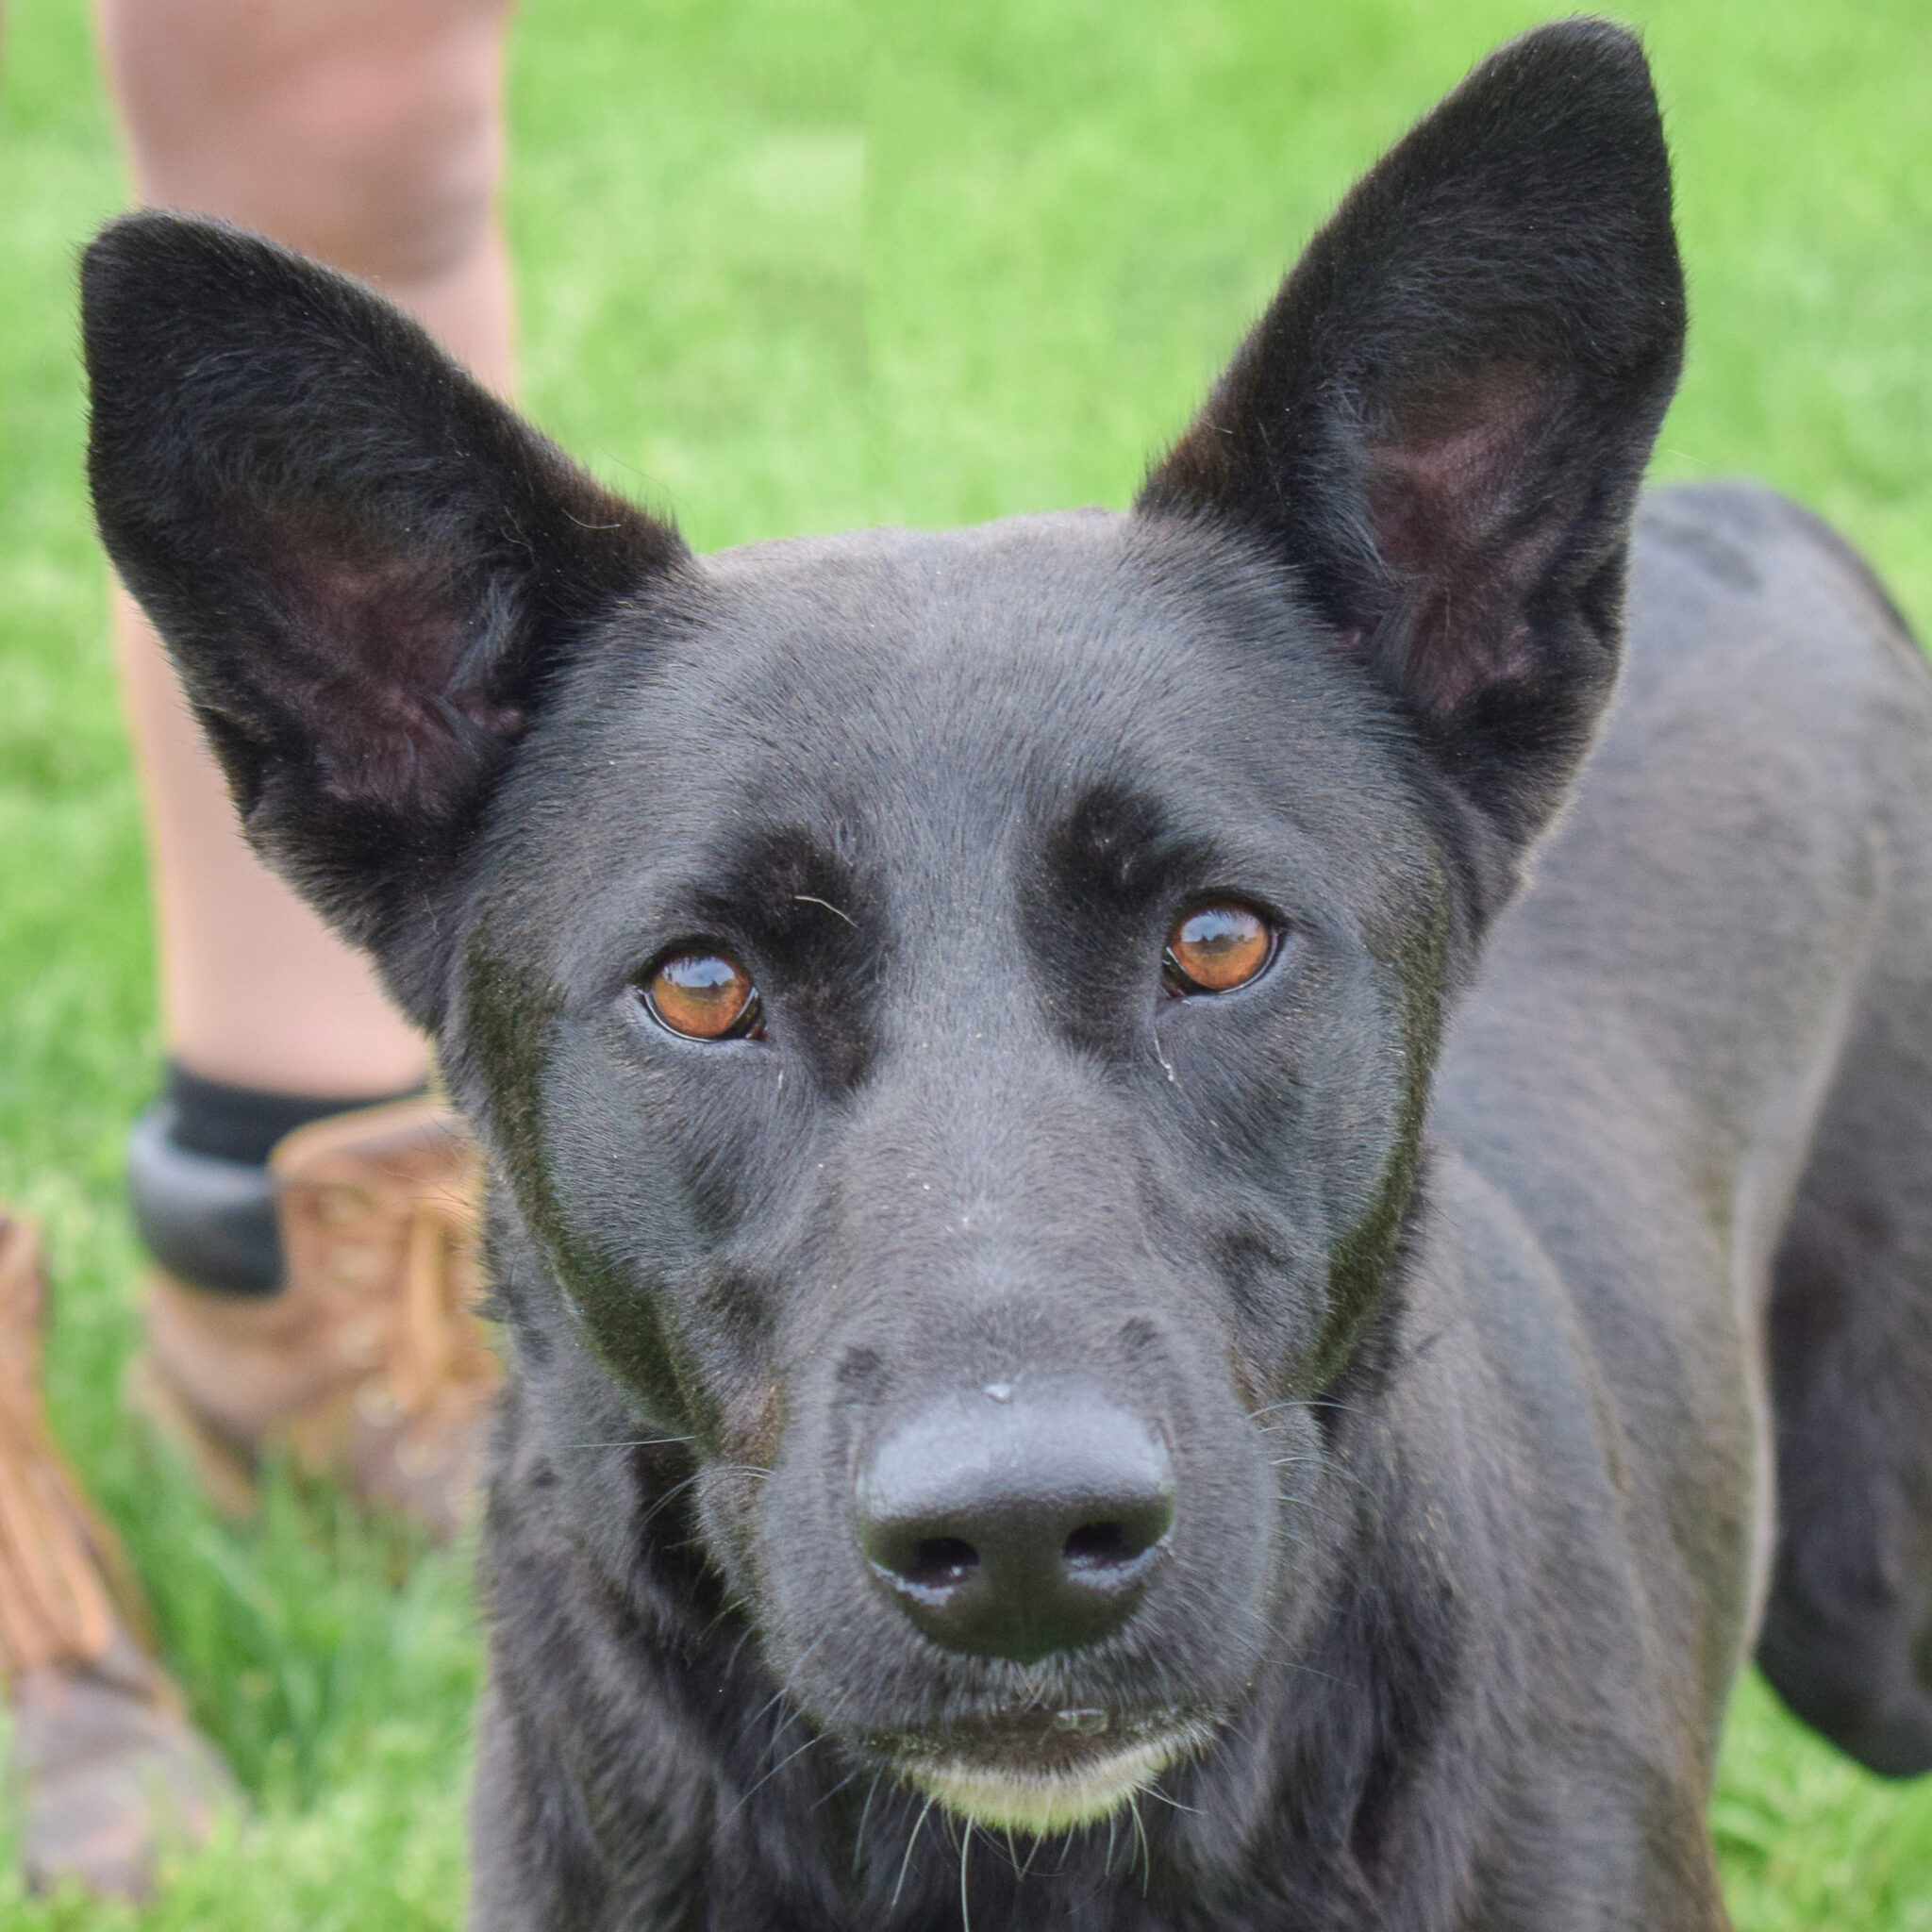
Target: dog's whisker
865 1814
747 1796
965 1900
1290 1663
805 1657
813 899
664 1502
723 1611
1328 1466
912 1840
1153 1790
786 1720
845 1783
1032 1853
633 1442
1286 1429
1313 1402
697 1475
1255 1415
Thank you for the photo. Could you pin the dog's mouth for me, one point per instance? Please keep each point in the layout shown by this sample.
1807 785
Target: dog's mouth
1043 1772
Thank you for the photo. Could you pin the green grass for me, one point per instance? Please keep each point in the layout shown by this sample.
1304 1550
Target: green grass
787 268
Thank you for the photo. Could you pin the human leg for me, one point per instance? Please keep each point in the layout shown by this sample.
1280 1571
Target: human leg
368 134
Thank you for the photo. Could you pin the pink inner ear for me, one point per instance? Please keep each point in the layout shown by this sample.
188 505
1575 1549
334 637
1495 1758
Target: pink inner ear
380 638
1449 505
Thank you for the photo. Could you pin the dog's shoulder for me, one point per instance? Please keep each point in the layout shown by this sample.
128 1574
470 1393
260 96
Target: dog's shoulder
1739 570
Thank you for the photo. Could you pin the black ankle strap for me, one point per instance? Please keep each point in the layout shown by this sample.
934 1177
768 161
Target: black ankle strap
209 1221
245 1122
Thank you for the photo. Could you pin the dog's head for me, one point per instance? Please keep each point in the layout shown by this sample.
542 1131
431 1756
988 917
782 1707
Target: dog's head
951 1015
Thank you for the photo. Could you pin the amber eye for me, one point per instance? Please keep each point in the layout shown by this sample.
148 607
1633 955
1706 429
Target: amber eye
703 995
1217 948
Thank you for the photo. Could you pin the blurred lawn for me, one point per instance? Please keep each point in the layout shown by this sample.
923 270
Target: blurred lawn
786 270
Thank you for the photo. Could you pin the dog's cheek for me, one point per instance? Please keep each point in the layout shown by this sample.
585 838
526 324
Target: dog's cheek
845 1656
1286 1191
670 1271
821 1626
1325 1222
609 1173
1211 1623
732 1490
531 1080
630 1312
729 1503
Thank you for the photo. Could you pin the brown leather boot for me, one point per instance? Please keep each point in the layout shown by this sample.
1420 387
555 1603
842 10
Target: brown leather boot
106 1769
370 1363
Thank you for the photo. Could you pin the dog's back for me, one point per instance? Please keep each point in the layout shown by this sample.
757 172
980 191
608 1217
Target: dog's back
1701 1050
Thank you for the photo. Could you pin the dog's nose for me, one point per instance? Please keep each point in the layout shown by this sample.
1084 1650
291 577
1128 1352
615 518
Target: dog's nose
1014 1528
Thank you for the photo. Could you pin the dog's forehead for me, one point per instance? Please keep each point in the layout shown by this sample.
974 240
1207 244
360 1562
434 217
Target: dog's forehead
965 673
995 642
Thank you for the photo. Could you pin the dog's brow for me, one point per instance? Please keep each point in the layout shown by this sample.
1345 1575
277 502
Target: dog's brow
782 882
1118 849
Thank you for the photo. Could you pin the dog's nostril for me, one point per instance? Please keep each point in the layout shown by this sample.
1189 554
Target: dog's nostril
941 1563
1099 1546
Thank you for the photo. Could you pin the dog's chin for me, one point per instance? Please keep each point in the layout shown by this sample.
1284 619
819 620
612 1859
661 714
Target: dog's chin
1043 1793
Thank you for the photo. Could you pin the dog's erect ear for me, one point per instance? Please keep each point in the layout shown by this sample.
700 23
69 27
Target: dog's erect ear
367 568
1442 420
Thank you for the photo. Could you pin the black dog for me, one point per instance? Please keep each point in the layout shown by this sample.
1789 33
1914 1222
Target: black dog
1078 1361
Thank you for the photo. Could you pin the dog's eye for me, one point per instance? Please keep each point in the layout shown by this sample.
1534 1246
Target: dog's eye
1216 948
703 995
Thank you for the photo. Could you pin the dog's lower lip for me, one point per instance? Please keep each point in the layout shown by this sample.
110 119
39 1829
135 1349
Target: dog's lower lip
1043 1771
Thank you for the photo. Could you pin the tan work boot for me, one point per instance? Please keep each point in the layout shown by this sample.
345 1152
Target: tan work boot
370 1363
104 1765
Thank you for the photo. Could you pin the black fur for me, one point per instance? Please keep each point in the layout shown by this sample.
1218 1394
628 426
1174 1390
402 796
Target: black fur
1454 1286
